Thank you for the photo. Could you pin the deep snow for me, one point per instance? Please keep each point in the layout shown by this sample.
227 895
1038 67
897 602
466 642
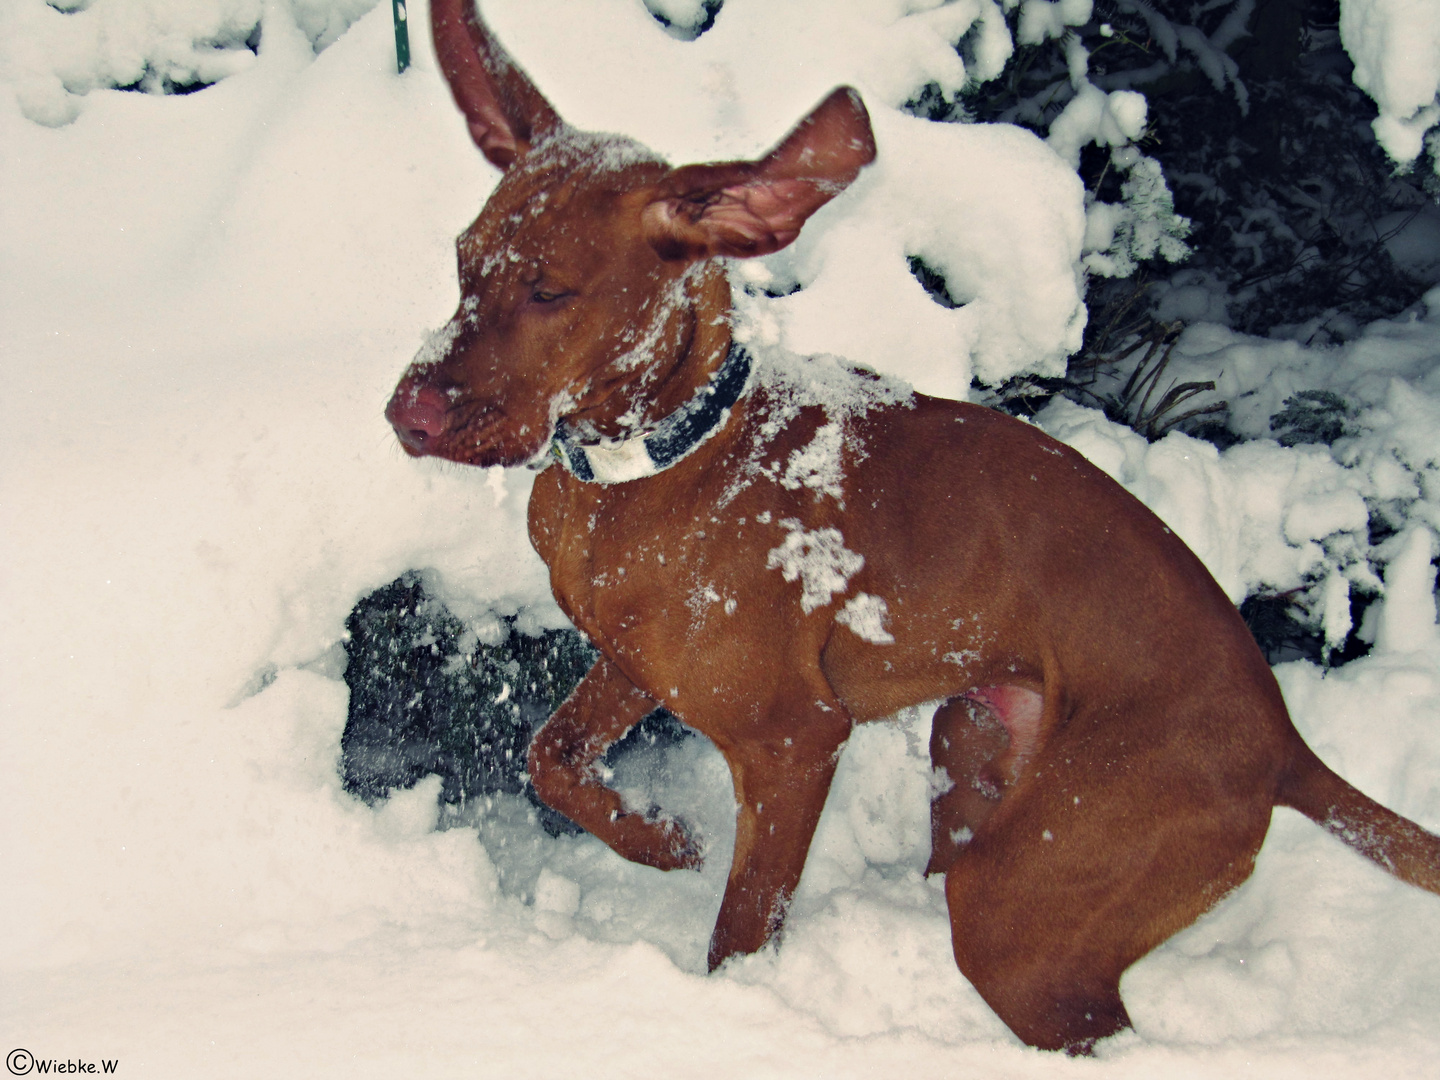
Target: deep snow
207 301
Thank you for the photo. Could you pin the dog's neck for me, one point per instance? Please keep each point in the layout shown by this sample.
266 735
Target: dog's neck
674 402
669 441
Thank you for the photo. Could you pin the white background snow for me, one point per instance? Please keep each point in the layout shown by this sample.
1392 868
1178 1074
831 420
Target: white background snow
206 301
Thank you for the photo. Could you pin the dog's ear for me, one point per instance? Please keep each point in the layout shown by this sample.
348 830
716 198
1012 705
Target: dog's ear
505 112
747 208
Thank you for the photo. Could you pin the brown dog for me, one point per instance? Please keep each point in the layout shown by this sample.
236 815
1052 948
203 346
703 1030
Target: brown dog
776 556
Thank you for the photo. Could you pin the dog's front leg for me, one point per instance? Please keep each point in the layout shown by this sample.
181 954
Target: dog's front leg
564 758
781 780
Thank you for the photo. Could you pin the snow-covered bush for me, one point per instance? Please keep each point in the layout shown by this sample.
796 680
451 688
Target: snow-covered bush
1296 219
1395 45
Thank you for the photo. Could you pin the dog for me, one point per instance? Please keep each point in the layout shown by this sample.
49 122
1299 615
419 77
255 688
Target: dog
776 557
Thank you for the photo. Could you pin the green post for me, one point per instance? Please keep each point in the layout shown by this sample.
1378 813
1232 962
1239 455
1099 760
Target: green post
402 36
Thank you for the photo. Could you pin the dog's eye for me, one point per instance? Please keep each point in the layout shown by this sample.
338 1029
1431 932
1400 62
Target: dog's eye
545 296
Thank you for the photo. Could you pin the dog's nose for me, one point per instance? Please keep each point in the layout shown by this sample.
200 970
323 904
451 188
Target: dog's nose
418 417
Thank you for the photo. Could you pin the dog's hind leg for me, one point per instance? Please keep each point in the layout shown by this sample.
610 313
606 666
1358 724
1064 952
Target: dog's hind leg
563 762
979 741
1099 852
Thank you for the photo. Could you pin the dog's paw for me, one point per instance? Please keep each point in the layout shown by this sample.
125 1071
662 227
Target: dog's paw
662 842
685 846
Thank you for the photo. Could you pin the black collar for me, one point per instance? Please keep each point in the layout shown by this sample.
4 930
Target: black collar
669 441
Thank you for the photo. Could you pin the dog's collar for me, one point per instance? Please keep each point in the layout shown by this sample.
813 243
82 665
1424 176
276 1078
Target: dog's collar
614 462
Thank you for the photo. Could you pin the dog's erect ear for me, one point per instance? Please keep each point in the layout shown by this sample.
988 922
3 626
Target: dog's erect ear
747 208
505 112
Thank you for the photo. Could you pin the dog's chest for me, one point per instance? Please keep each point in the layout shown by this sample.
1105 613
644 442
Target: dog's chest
660 577
620 577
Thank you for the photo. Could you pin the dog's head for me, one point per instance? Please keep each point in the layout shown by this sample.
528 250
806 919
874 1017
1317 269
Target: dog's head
578 278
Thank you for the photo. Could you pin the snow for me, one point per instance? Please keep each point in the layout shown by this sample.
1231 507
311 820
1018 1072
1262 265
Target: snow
817 558
1112 119
989 207
866 615
208 300
1395 45
817 465
1041 19
1408 619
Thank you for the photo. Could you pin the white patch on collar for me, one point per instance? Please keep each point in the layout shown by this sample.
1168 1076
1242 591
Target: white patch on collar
818 558
865 615
621 460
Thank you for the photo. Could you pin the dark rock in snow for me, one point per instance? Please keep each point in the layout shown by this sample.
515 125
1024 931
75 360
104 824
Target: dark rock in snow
427 695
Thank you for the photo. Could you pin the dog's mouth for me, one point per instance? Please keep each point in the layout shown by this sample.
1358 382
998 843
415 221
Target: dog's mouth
428 424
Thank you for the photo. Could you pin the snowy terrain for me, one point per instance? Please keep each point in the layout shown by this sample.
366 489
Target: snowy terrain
207 299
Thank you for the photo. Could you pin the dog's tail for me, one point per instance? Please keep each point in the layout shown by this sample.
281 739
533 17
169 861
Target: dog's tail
1399 845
